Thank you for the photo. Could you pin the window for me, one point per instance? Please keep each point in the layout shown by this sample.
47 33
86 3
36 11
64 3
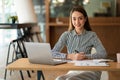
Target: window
6 35
6 10
94 8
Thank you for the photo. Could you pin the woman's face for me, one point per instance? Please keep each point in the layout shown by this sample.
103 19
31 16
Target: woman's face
78 20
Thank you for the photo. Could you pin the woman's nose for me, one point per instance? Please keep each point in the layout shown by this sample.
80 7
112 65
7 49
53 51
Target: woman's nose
77 21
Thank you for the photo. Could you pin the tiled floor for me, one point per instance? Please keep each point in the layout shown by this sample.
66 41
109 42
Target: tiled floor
16 76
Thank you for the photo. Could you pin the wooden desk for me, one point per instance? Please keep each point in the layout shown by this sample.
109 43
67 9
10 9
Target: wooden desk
24 64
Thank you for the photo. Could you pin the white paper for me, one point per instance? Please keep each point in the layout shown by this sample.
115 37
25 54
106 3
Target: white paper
94 62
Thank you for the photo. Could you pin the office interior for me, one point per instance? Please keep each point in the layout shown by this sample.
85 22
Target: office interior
52 19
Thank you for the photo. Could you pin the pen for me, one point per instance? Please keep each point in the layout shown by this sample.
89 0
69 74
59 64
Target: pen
76 51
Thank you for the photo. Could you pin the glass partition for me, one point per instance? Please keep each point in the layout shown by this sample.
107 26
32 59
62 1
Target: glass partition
94 8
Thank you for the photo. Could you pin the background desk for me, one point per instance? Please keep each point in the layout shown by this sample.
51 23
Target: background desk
23 29
24 64
16 25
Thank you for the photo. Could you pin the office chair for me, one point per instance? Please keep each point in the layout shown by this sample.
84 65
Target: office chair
18 52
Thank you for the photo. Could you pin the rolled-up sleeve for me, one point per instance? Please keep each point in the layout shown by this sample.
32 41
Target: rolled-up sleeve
100 50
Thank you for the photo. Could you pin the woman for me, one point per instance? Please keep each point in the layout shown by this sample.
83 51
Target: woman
79 40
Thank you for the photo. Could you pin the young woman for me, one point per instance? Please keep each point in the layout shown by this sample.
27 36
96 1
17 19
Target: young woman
79 40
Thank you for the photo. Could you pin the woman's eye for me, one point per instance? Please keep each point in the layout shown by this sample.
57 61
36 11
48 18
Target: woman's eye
74 19
80 18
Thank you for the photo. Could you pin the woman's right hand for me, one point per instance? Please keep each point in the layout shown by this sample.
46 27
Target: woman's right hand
76 56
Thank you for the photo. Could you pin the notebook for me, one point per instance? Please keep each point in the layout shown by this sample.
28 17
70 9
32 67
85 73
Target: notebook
40 53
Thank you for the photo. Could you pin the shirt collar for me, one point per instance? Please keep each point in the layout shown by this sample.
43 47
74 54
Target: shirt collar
74 32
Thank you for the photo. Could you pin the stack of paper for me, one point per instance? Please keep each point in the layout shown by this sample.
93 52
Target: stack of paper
94 62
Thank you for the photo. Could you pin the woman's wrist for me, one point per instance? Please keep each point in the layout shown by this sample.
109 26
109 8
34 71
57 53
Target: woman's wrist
70 56
67 56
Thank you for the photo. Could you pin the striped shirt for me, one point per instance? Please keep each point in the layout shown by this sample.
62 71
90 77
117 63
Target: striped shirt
81 43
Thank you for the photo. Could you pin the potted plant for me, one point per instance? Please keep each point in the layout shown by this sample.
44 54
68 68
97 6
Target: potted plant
13 19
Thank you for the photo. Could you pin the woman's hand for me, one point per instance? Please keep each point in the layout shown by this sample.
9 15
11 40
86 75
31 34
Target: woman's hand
76 56
79 56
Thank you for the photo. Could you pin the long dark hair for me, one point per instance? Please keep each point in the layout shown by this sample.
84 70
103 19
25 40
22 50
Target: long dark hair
81 10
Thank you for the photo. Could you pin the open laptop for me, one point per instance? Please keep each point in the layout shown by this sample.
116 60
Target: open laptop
40 53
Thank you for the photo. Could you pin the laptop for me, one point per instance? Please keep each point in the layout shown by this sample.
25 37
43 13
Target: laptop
40 53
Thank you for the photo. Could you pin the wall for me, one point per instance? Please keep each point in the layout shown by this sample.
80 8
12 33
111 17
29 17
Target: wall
95 6
118 8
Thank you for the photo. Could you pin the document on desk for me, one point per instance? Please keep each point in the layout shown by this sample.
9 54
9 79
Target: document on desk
94 62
